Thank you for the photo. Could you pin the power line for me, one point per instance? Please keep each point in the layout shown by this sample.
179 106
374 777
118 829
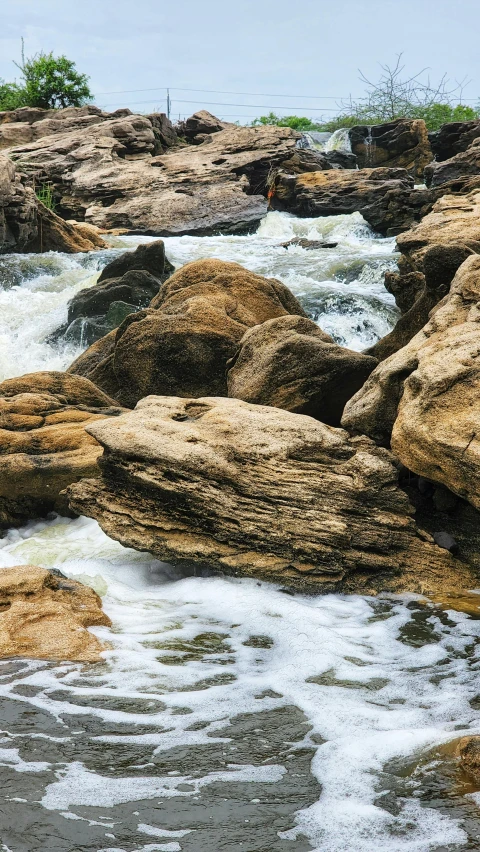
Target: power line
220 92
221 103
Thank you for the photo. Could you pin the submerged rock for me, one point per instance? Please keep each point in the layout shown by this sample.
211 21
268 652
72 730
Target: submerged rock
256 491
290 363
403 143
181 344
426 395
43 443
44 616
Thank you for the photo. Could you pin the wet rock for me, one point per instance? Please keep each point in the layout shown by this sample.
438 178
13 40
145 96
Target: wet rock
460 166
181 344
445 540
334 192
252 490
427 393
43 443
290 363
403 143
468 750
308 244
149 257
453 138
44 616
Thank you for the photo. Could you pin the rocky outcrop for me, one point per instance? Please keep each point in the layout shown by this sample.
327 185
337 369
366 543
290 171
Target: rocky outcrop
252 490
453 138
181 344
290 363
403 143
372 192
426 395
26 225
200 125
43 443
107 174
461 166
126 284
44 616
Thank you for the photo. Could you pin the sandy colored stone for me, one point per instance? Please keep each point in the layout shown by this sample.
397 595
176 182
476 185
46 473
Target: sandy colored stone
181 344
45 616
257 491
43 443
290 363
426 395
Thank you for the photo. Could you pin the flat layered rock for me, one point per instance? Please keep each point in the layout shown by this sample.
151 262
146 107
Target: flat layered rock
426 395
45 616
43 443
256 491
181 344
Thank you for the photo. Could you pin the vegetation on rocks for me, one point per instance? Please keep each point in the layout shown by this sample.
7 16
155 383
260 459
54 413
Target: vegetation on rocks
47 82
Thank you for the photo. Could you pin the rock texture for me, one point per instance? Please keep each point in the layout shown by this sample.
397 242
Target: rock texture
200 125
464 164
426 395
403 143
290 363
26 225
181 344
43 443
453 138
109 173
256 491
372 192
44 616
127 283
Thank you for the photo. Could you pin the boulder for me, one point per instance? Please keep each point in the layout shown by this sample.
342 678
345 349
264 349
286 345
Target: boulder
462 165
44 616
255 491
201 124
403 143
107 174
127 283
453 138
334 192
425 396
290 363
43 443
182 343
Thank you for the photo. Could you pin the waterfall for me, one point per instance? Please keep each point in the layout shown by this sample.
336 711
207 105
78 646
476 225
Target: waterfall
369 148
339 141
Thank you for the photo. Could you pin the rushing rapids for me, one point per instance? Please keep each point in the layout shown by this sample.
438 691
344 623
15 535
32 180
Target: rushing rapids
228 714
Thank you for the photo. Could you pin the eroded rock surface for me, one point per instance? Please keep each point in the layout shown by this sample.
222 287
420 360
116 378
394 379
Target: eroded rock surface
181 344
466 163
256 491
44 615
453 138
291 363
403 143
426 395
43 443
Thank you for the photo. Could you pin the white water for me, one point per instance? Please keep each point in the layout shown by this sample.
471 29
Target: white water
369 696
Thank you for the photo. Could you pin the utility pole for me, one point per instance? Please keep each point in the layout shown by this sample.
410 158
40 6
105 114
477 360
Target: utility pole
169 103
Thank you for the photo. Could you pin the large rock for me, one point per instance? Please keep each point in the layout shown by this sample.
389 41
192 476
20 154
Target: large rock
290 363
252 490
334 192
465 164
426 395
402 143
26 225
126 284
181 344
43 443
45 616
453 138
107 174
200 125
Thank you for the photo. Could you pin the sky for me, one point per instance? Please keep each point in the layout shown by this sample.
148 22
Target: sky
242 59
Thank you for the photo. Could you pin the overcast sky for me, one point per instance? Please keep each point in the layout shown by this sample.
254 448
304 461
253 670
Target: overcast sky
302 57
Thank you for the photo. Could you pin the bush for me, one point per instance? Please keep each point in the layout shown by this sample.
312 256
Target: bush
296 122
11 96
48 82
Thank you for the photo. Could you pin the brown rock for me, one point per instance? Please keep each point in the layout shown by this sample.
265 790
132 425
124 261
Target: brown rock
290 363
252 490
18 209
461 165
427 393
403 143
202 123
182 343
453 138
43 443
44 616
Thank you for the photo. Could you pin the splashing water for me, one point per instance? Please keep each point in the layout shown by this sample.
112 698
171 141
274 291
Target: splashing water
227 715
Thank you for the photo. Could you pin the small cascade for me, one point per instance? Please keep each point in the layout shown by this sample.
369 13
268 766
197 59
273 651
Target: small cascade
369 148
339 141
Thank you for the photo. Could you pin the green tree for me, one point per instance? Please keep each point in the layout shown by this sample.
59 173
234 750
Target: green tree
52 82
297 122
11 96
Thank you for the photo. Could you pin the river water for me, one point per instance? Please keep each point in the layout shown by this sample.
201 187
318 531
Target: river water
229 715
